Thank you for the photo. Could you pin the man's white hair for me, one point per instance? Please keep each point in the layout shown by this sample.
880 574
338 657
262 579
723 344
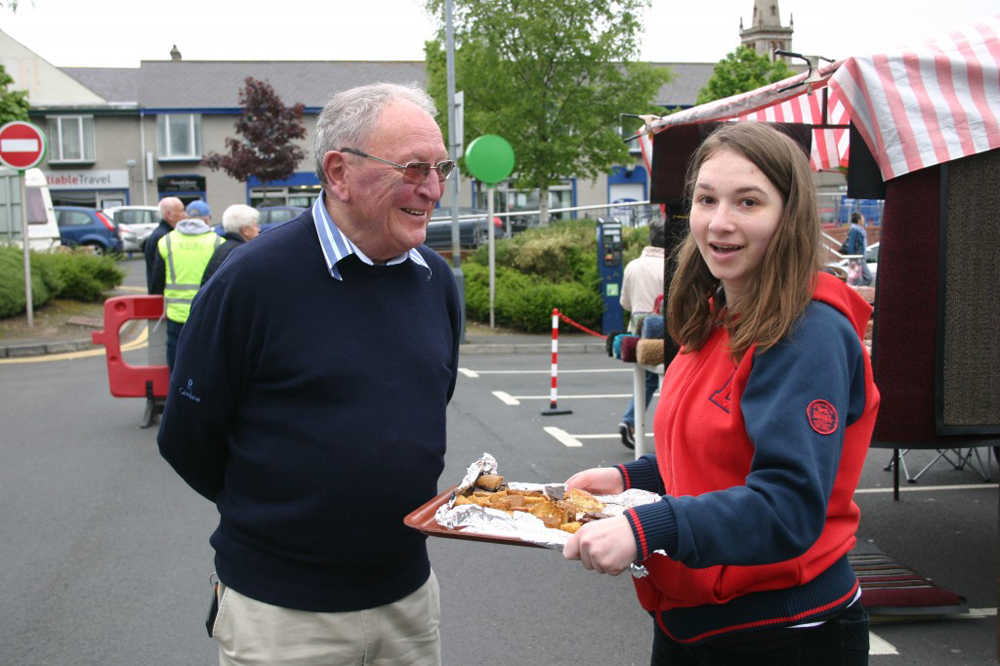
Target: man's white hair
348 120
238 216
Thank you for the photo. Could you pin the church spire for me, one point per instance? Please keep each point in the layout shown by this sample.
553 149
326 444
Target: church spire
766 34
766 14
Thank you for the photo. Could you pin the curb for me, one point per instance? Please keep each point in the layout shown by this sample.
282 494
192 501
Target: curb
29 349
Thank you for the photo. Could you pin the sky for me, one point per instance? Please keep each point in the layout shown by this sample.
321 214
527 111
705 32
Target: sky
121 33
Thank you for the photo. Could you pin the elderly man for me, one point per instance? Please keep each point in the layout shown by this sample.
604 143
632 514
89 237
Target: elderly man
171 212
181 258
241 224
308 402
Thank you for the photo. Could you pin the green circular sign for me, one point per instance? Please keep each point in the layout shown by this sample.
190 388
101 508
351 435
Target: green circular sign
490 158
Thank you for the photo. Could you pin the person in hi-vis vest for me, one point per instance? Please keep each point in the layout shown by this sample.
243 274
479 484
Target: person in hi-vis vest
181 258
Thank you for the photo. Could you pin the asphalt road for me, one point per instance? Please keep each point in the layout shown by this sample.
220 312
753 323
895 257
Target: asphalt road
106 558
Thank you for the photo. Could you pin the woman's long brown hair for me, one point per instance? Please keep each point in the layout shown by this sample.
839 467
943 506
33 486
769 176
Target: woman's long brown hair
783 287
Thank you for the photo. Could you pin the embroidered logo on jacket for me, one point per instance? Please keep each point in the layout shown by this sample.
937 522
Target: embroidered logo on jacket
822 416
724 396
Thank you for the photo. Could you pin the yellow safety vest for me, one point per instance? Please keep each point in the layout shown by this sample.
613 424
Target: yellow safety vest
186 258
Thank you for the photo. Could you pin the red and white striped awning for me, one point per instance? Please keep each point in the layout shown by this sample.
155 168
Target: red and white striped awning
914 107
934 103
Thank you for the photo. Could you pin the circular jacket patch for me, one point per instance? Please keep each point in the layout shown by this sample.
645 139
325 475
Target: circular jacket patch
822 416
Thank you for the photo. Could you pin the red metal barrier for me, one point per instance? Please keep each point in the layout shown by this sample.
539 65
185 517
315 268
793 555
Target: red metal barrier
128 381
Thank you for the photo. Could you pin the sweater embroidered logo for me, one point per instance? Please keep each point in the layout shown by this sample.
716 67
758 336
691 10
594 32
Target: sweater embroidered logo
187 392
822 416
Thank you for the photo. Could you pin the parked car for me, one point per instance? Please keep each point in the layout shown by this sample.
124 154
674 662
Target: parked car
87 227
840 266
272 216
135 223
472 229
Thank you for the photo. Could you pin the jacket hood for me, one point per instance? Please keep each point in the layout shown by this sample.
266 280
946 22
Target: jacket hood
834 292
192 227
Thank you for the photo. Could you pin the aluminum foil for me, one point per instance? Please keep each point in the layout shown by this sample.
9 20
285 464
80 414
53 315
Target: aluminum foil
521 525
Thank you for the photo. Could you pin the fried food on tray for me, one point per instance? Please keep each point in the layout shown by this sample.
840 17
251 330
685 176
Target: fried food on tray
489 482
578 508
584 501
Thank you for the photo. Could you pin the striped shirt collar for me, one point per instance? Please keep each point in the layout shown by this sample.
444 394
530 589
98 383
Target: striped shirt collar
336 246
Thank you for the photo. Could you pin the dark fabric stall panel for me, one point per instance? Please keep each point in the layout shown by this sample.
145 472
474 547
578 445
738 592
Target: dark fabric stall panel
904 341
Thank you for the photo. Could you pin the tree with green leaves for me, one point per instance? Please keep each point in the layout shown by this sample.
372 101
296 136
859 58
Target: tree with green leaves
550 77
14 104
741 71
268 128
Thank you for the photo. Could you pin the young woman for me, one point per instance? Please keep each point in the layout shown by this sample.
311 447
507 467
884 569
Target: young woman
761 430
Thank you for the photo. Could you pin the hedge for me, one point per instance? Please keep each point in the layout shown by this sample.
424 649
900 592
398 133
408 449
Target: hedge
541 269
69 275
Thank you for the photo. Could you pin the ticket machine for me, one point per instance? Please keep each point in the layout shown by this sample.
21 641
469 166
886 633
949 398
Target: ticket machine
609 267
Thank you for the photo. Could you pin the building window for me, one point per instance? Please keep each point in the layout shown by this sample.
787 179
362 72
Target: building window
179 136
71 139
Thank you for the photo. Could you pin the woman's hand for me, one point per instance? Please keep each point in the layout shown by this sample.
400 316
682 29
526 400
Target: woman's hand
605 546
599 480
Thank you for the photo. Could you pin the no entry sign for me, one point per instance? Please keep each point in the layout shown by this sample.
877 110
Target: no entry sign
22 145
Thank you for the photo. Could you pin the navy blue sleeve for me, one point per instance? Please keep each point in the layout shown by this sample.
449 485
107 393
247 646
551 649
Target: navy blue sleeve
159 279
642 474
799 398
207 379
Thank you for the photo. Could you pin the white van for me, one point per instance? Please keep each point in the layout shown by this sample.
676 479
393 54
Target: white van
43 232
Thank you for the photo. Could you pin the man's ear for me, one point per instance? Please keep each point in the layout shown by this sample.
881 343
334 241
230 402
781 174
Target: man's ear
334 168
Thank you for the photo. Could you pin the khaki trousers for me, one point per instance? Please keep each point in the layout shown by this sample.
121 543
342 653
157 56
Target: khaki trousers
404 633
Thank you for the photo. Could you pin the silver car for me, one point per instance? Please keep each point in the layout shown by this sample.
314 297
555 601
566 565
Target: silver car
135 224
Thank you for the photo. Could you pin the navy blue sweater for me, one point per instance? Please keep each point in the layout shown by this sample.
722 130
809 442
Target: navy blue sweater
312 412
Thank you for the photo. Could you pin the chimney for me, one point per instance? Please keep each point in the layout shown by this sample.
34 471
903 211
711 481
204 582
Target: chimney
175 55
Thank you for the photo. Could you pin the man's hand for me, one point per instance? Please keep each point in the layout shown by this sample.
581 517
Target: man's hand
605 546
599 481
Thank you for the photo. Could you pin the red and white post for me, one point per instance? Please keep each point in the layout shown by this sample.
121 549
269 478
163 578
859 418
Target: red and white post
553 394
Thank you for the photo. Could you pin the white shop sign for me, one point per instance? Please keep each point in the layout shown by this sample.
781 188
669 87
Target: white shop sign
89 179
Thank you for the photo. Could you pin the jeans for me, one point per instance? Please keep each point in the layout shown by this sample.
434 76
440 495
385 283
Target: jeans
652 383
840 641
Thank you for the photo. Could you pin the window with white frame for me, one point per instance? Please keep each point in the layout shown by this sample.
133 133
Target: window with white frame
71 139
179 136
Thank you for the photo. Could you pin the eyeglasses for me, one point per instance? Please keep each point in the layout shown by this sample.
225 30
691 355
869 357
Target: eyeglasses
413 172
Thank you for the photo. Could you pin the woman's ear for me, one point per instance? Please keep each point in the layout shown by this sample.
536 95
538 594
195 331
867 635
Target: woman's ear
334 168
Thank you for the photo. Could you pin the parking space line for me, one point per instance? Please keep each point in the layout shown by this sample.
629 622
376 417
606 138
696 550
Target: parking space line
878 645
917 489
476 373
547 397
507 398
564 437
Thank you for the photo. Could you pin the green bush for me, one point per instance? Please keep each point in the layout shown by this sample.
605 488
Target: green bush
525 302
86 277
12 301
69 275
540 269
